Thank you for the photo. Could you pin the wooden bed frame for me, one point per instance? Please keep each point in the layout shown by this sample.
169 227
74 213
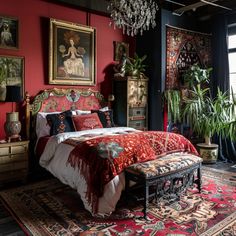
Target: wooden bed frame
51 100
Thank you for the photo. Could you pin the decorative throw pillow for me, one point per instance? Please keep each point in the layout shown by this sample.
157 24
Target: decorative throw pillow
106 117
42 126
60 123
85 122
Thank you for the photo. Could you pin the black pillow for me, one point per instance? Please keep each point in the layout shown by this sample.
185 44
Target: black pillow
60 123
106 118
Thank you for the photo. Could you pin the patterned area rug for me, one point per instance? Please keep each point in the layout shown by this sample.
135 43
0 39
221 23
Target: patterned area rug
51 208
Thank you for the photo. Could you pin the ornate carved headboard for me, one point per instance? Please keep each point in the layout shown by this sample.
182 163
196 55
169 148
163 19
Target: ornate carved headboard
61 100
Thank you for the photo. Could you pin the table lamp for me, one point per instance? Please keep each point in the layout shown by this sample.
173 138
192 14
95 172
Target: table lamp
12 125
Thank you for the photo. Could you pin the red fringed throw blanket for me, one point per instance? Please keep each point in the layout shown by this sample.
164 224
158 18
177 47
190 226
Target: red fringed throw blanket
101 158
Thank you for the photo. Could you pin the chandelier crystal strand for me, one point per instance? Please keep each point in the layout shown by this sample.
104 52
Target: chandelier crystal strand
133 16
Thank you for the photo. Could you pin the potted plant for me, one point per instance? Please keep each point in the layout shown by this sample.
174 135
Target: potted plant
205 115
135 66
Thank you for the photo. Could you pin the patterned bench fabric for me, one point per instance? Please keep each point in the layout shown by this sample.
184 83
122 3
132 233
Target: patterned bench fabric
165 165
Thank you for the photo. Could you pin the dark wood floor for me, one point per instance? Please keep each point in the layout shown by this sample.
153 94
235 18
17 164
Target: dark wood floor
223 166
9 227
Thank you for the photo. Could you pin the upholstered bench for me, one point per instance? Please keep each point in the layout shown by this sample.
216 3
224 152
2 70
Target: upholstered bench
169 175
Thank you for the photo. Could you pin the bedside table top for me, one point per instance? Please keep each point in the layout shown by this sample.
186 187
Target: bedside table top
17 143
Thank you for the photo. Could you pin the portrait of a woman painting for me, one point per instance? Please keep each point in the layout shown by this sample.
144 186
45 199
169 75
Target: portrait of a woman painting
8 33
72 54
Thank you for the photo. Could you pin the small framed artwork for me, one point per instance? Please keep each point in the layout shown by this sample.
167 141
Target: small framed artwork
72 54
11 73
120 48
9 29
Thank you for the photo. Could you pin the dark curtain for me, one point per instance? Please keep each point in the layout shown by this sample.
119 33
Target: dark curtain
220 78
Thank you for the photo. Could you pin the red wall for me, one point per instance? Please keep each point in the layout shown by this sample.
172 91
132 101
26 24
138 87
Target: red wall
33 16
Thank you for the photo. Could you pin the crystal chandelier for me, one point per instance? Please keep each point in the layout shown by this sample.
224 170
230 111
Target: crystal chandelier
133 15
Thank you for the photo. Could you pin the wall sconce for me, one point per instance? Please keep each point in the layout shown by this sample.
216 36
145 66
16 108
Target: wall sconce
12 125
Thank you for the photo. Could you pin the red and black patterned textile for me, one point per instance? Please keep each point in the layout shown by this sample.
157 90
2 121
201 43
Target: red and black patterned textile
100 159
183 49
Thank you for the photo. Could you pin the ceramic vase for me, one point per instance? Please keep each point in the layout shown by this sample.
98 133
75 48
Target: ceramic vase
12 125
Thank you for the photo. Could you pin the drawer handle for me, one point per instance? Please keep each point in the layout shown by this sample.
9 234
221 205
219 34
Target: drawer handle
137 117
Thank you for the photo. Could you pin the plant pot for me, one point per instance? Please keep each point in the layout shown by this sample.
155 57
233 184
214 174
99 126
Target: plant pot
209 153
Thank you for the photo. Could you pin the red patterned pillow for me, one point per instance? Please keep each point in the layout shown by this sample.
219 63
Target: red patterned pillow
85 122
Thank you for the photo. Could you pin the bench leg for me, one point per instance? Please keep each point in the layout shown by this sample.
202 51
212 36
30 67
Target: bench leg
146 199
199 178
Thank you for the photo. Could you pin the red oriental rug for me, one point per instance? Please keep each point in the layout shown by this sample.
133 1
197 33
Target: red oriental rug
51 208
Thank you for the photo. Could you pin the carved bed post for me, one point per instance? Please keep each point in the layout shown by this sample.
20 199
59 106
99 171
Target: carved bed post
27 114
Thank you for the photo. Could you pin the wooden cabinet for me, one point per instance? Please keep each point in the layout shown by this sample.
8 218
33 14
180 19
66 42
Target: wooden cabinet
13 161
130 104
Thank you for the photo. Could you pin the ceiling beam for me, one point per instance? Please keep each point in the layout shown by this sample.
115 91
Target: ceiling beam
193 7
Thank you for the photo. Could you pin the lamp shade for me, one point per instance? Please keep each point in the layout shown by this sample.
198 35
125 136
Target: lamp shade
13 94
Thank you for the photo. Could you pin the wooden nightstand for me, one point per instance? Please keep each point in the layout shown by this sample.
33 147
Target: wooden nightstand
13 161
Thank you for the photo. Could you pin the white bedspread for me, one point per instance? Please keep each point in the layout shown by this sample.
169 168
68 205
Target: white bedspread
54 159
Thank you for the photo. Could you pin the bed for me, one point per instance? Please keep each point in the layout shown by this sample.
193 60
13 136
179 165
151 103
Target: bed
84 149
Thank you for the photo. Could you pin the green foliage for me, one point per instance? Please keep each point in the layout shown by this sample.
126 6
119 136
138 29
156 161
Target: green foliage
135 65
173 99
206 115
195 75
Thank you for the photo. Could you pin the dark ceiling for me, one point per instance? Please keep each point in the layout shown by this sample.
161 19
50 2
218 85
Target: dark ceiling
202 9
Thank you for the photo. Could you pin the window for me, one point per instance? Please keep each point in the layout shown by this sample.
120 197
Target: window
232 61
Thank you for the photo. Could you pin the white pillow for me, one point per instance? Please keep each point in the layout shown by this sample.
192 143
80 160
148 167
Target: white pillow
42 126
81 112
104 109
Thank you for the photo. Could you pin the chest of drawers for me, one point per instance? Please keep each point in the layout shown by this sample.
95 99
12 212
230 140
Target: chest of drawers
13 161
130 104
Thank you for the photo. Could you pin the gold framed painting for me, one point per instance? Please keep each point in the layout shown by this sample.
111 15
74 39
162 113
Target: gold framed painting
120 49
11 73
9 30
72 53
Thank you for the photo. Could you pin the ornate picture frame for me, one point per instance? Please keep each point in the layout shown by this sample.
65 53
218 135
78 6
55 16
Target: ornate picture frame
72 54
119 49
11 73
9 30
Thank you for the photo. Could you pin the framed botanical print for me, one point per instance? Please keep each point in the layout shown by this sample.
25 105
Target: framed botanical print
11 73
9 28
72 54
120 48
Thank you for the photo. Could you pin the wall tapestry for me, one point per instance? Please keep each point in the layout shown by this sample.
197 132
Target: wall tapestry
183 49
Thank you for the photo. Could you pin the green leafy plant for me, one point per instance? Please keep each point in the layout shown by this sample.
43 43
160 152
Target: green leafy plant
196 75
206 115
173 98
135 66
